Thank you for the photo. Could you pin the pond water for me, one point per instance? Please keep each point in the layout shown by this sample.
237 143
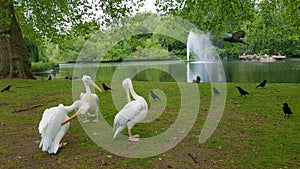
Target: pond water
287 71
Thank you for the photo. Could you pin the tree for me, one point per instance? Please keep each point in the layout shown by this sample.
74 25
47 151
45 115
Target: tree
213 15
272 27
276 28
14 56
49 19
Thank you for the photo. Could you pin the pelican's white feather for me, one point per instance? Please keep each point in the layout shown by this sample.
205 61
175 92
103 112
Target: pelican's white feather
51 130
133 112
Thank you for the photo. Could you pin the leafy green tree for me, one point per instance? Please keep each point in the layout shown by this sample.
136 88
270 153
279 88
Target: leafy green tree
48 19
14 61
271 27
275 29
33 50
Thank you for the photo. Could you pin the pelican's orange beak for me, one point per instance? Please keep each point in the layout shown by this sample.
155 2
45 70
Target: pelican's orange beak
70 119
96 86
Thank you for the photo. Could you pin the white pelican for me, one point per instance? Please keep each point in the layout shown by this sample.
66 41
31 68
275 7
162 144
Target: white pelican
90 98
50 126
132 113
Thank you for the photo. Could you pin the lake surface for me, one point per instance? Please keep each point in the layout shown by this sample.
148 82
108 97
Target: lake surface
287 71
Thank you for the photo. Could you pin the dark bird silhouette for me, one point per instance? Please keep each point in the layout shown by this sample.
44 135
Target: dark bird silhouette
50 77
262 84
6 89
197 80
236 37
154 96
286 109
217 43
105 87
74 78
242 91
67 78
216 91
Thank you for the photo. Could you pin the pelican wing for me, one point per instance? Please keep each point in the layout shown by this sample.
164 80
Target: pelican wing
58 137
50 128
45 120
81 96
89 97
132 110
95 98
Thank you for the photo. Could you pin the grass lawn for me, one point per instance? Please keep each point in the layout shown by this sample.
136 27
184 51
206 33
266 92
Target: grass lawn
253 132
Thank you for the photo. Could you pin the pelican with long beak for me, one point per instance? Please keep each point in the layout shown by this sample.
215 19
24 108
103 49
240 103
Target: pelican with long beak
50 126
133 112
90 98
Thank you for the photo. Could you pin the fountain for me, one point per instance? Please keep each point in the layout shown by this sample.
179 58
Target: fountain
202 59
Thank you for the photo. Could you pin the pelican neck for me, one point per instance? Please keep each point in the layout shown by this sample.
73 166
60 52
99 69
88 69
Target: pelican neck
87 88
134 95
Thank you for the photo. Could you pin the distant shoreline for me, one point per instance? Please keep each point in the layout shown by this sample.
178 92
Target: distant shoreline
119 60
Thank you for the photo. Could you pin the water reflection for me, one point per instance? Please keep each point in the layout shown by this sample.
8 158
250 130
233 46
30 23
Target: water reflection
287 71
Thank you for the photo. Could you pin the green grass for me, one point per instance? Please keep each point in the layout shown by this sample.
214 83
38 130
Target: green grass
253 132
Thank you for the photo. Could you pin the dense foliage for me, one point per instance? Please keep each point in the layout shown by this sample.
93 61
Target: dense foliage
272 27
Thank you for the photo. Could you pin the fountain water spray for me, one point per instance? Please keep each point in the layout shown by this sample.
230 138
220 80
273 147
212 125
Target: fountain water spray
204 61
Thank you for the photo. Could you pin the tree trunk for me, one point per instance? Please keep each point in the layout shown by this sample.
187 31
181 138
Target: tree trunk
14 60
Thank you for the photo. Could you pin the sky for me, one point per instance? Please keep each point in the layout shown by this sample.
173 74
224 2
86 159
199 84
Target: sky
149 6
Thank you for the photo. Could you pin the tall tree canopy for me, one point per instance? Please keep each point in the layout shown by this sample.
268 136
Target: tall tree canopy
272 27
47 19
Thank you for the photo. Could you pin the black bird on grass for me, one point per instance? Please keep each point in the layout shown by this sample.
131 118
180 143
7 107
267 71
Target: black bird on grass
216 91
6 89
242 91
197 80
262 84
236 37
154 96
105 87
71 78
50 77
286 109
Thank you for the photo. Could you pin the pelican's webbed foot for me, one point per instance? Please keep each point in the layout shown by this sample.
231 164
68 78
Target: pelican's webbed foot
85 121
133 139
62 144
136 136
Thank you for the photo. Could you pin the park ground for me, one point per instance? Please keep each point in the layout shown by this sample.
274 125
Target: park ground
253 131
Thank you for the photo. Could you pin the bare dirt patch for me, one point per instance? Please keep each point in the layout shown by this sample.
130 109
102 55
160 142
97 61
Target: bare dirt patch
19 149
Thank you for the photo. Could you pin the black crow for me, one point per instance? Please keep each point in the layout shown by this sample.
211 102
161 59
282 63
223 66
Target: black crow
197 80
50 77
242 91
215 90
286 109
74 78
217 43
6 89
105 87
154 96
262 84
236 37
